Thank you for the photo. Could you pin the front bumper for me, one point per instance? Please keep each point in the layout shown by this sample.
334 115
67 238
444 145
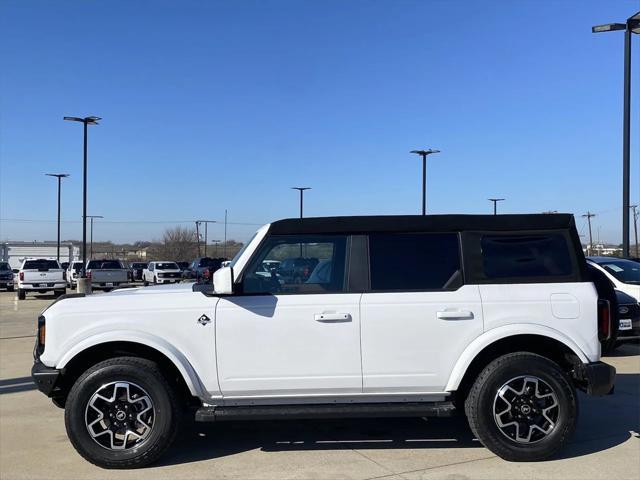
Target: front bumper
169 280
45 378
596 378
6 283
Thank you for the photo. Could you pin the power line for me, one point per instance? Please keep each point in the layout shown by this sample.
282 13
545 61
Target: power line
146 222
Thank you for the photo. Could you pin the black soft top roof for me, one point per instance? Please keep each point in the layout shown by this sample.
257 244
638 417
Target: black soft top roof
420 223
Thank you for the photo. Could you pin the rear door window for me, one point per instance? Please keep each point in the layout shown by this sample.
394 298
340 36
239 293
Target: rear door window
41 264
414 261
526 256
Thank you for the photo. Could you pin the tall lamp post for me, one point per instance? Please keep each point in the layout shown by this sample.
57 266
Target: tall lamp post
495 204
59 176
424 154
632 25
91 235
206 233
301 190
86 121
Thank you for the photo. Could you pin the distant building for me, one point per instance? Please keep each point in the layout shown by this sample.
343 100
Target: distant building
15 252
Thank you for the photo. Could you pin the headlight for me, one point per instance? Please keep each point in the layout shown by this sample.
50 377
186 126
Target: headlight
161 275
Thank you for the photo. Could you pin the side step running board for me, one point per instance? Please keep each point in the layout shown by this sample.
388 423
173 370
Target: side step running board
296 412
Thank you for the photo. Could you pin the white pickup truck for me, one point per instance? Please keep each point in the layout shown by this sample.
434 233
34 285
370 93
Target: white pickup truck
40 275
496 316
161 272
106 274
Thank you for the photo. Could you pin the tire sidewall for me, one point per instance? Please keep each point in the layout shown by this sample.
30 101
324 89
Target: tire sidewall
562 387
91 382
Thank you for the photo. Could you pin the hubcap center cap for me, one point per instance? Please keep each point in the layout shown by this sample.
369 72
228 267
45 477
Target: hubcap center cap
121 415
526 409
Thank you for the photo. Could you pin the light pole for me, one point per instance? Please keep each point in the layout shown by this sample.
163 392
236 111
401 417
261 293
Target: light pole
635 229
206 230
59 176
632 25
495 204
424 154
589 216
91 234
216 242
301 190
86 121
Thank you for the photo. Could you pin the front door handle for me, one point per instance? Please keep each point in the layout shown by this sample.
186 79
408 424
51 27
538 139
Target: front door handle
332 317
455 315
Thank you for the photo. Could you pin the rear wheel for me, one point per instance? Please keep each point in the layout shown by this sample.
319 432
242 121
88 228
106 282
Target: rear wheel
522 407
122 413
21 294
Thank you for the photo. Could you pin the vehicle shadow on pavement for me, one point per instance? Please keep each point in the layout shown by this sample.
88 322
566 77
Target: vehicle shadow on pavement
204 442
604 422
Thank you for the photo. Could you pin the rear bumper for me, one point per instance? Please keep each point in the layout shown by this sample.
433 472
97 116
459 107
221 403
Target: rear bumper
45 378
49 286
597 378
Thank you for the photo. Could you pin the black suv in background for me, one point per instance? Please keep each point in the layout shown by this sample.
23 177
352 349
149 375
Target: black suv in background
136 269
202 268
6 276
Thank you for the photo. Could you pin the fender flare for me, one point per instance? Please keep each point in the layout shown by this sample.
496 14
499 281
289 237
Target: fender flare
491 336
176 357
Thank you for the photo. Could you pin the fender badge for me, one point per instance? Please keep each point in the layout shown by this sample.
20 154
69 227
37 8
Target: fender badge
203 320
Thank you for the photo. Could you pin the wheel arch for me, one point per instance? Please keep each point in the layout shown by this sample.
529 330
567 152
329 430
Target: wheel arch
178 371
483 351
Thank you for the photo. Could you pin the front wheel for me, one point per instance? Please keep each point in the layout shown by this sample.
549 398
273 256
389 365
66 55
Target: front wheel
522 407
122 413
21 294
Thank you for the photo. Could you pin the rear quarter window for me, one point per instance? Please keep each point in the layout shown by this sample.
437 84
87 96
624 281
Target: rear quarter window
526 256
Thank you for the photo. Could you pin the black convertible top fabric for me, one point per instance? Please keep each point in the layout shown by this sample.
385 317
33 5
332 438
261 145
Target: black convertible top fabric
420 223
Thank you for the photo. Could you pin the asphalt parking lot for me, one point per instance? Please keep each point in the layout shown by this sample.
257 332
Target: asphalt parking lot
33 442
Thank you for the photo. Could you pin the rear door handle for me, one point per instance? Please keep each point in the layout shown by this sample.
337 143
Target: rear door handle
455 315
332 317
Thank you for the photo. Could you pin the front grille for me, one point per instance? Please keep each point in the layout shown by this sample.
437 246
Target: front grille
171 275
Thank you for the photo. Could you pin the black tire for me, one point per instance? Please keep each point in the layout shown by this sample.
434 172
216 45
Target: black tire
9 289
21 294
143 373
608 346
145 283
479 406
59 293
155 280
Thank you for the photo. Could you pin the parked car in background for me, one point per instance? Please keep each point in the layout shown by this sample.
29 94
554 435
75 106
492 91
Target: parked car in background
136 269
296 270
628 318
41 275
623 273
184 268
106 274
494 315
73 272
202 268
161 272
6 276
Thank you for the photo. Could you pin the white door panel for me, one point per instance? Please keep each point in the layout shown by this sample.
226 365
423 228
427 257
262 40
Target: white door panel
289 344
411 340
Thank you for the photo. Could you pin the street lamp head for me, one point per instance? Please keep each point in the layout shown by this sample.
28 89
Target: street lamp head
496 199
88 120
424 152
609 27
58 175
301 188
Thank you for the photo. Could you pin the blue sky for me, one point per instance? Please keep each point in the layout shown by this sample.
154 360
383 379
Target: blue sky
210 106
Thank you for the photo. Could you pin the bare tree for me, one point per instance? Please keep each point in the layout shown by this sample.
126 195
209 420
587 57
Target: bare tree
177 244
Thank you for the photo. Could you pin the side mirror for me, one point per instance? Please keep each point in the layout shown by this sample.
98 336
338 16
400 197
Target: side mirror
223 281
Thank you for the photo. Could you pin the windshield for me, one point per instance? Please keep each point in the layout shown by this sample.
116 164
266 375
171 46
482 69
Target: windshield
138 265
77 266
241 251
103 264
167 266
40 264
4 266
625 271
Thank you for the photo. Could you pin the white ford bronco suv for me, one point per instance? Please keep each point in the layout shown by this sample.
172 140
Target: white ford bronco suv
494 317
